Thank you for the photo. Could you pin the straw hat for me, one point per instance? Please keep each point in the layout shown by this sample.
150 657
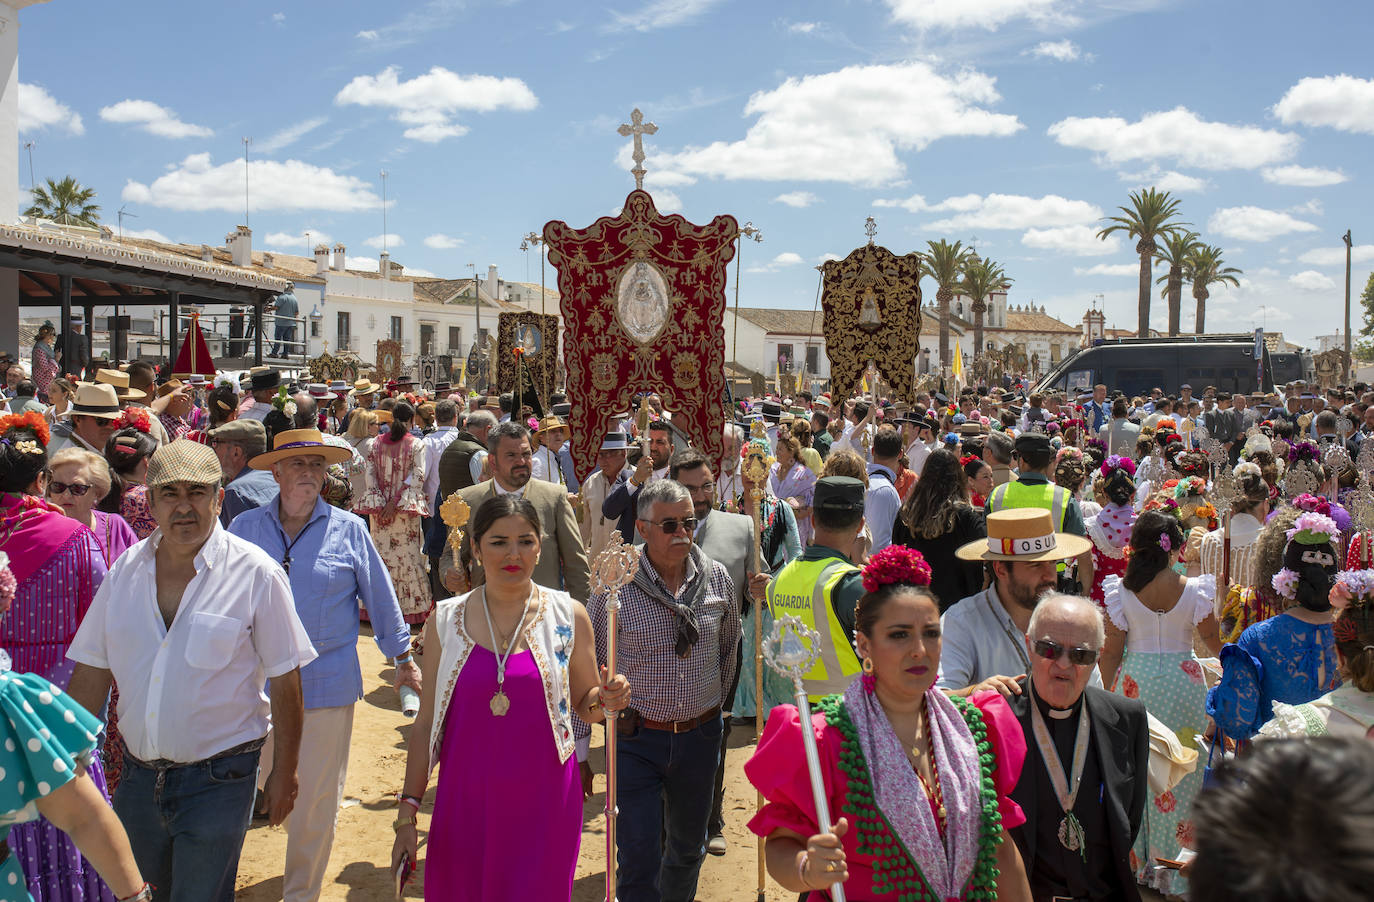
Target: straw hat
550 422
1023 534
383 416
119 380
95 400
364 387
299 443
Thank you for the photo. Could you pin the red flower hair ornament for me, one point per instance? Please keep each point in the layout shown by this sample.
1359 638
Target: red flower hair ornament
32 420
135 417
895 564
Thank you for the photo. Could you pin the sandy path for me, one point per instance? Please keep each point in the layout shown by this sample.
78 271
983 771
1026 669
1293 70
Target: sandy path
362 848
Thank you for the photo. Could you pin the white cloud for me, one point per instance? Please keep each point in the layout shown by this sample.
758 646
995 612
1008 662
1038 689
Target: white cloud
803 27
289 135
781 261
39 110
1312 208
415 271
1342 102
987 14
796 199
363 264
296 241
1312 282
153 119
278 17
442 242
1164 180
1335 255
428 103
1077 240
1302 176
146 234
196 184
870 113
659 14
1064 51
367 34
390 239
1108 269
1248 223
827 257
1000 211
1179 135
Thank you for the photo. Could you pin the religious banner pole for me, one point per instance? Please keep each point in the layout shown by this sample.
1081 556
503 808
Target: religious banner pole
791 650
746 231
612 571
756 470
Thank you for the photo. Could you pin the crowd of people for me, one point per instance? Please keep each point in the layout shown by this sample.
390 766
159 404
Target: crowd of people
1041 623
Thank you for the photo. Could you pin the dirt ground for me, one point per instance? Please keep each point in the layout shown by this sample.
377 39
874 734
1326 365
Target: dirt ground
358 868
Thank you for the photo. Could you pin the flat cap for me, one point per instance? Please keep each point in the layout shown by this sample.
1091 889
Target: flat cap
251 433
184 461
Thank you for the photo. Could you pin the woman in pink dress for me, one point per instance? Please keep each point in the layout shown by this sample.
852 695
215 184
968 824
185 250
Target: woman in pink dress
394 503
45 367
1110 530
505 666
918 780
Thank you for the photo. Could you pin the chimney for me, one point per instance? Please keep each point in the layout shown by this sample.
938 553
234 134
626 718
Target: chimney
240 242
269 260
493 286
384 265
206 254
339 257
321 259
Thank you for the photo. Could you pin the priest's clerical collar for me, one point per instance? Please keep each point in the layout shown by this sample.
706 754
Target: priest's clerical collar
1058 713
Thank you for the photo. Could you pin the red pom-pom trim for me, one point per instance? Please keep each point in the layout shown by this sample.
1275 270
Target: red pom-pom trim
895 564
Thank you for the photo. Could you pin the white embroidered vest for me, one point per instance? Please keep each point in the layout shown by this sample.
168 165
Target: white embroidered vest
549 634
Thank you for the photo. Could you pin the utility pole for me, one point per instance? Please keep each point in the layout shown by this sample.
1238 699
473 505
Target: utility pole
246 142
1346 239
384 174
33 183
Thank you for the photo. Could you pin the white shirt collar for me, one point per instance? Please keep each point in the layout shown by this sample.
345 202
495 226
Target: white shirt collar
519 493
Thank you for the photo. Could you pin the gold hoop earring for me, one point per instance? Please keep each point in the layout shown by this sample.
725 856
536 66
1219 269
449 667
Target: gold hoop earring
868 665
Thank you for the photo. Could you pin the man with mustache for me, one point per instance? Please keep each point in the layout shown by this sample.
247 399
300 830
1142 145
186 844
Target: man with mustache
562 559
332 564
680 628
192 622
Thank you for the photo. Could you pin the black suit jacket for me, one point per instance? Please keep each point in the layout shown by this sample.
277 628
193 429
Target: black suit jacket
1121 742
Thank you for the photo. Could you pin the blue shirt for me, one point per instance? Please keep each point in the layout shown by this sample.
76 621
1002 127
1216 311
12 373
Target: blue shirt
333 565
881 503
250 489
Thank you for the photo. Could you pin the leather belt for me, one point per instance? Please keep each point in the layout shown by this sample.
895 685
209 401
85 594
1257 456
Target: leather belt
680 726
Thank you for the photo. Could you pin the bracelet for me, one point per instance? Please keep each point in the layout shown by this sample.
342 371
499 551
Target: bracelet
801 869
402 822
142 895
412 801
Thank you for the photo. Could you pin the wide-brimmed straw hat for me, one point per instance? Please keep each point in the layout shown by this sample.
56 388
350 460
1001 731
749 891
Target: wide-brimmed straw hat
364 387
550 422
1023 534
119 381
298 443
95 400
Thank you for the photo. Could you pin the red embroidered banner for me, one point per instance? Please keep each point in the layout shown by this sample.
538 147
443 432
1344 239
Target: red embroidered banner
643 302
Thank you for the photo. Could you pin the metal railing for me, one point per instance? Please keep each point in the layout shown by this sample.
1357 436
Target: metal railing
220 328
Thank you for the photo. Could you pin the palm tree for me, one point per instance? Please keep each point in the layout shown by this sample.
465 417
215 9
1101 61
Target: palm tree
1205 267
1176 249
945 264
981 278
1150 216
65 203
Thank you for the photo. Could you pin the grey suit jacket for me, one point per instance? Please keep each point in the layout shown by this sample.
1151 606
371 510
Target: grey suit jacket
728 539
562 557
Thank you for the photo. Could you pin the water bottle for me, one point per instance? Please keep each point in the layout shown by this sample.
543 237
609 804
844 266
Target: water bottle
410 701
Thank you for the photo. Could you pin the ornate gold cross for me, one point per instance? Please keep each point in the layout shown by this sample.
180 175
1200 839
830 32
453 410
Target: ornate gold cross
638 128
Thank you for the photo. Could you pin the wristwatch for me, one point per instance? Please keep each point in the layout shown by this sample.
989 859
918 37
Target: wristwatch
402 821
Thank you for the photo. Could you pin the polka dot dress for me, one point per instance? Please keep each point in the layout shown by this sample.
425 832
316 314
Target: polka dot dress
46 736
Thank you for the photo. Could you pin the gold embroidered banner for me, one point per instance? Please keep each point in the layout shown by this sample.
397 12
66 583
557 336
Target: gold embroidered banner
643 302
871 301
536 334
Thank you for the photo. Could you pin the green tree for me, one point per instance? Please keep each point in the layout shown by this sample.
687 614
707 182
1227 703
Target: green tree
65 203
1175 251
1152 215
981 278
1204 267
1364 350
945 264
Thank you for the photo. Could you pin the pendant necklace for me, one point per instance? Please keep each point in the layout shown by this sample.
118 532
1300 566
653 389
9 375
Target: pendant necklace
934 793
500 704
1071 834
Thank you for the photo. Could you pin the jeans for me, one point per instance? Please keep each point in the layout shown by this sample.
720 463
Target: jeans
664 795
285 334
186 824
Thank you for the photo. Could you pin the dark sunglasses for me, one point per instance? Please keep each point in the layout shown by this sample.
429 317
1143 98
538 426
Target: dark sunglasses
672 525
1053 651
76 488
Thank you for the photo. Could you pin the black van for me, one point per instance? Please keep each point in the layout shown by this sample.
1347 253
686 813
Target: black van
1134 366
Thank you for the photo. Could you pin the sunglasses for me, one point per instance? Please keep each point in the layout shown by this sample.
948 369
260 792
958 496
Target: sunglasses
76 488
672 524
1053 651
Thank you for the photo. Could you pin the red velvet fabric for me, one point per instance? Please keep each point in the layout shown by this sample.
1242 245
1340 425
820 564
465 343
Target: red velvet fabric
610 358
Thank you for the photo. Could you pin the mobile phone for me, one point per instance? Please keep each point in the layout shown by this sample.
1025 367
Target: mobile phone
1169 863
401 876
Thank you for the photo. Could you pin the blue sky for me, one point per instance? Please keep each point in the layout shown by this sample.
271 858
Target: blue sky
1015 123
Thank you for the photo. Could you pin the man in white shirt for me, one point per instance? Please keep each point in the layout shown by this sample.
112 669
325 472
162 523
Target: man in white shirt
548 464
858 426
917 433
445 431
263 384
729 486
609 473
193 622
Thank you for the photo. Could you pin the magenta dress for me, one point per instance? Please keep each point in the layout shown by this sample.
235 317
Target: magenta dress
502 774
